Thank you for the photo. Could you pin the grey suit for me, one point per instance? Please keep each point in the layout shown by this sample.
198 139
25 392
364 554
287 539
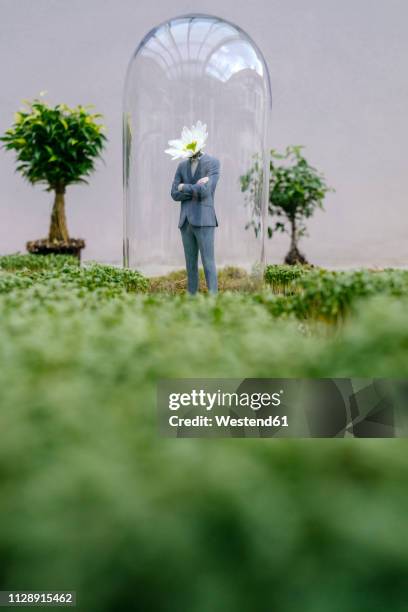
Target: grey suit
197 218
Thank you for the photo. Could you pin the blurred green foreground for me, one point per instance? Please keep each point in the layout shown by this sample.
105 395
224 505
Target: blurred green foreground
92 500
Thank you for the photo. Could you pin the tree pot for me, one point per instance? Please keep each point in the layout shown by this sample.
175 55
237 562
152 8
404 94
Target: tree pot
45 247
295 257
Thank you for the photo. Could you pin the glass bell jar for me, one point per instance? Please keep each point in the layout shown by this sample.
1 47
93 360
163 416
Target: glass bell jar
189 69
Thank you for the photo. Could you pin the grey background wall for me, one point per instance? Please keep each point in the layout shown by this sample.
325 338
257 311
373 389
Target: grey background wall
340 87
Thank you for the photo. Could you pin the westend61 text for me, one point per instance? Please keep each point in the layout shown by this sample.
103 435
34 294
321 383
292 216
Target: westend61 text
228 421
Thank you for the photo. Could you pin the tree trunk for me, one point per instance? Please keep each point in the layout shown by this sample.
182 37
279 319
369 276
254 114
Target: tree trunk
294 256
58 226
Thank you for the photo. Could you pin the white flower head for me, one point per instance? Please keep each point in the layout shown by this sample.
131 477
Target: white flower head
192 141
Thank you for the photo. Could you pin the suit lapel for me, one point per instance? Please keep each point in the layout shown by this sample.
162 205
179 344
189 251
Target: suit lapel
189 175
193 177
197 170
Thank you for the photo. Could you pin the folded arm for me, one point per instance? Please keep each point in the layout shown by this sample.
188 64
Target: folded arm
201 190
176 194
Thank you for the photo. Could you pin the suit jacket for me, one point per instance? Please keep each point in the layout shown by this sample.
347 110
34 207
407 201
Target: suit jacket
197 201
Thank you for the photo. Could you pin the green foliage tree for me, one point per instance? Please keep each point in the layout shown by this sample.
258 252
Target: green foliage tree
56 146
296 189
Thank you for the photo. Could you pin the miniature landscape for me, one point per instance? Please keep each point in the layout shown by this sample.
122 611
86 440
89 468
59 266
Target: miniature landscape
87 483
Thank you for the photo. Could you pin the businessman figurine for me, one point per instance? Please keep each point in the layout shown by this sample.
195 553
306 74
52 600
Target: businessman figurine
194 187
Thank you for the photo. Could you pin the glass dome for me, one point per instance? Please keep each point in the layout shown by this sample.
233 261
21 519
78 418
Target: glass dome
194 68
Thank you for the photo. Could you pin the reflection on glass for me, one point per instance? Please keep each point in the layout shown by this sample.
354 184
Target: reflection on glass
193 68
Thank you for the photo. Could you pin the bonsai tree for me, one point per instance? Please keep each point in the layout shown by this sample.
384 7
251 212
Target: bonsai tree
56 146
296 189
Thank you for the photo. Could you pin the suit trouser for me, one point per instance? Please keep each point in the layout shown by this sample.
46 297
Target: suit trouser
199 239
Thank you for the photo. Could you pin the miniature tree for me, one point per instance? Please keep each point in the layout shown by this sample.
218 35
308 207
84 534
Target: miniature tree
296 189
56 146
